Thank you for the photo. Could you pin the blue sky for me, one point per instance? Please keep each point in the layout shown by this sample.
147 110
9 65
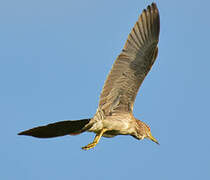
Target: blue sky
55 56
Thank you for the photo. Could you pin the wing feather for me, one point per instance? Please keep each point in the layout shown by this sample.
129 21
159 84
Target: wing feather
132 65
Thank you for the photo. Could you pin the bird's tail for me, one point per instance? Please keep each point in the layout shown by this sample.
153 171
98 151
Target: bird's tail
61 128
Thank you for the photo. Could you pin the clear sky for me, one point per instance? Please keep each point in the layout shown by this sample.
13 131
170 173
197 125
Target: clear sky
54 59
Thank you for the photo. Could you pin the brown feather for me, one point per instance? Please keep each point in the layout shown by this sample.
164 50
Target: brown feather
132 65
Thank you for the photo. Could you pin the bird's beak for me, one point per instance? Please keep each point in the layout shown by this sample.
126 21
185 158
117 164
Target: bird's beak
153 139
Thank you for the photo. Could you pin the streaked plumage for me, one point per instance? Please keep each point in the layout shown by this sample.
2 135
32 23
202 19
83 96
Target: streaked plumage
114 115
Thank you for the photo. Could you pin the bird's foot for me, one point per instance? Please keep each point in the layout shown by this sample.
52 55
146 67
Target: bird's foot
96 140
89 146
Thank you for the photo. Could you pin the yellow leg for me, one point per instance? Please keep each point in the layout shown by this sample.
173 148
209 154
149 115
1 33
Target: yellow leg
95 141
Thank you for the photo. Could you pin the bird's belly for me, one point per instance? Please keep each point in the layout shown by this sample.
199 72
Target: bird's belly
115 127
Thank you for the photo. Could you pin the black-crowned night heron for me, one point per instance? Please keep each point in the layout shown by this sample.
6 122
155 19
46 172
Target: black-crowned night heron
114 115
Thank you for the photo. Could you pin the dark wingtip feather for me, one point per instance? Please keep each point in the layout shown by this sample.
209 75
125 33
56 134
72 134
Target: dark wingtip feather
156 11
154 5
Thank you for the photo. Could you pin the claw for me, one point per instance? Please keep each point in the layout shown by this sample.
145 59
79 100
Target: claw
89 146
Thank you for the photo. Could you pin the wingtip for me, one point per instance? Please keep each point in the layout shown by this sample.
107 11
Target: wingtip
153 6
154 10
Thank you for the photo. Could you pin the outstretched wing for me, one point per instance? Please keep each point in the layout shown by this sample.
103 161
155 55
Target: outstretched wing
132 65
60 128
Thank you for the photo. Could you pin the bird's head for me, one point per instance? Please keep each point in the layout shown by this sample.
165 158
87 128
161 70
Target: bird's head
143 131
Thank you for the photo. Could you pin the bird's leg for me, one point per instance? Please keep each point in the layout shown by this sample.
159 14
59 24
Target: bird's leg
95 141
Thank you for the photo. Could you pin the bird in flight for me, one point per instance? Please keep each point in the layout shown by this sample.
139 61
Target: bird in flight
114 115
